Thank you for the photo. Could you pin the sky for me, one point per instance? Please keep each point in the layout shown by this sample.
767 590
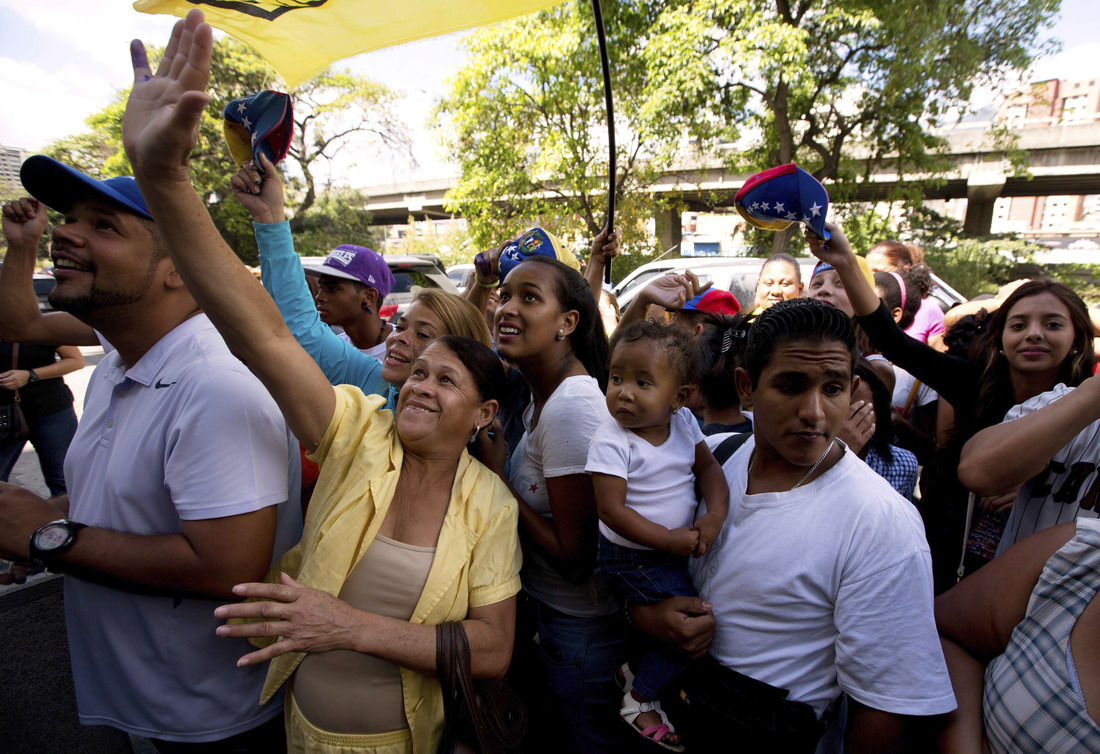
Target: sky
61 60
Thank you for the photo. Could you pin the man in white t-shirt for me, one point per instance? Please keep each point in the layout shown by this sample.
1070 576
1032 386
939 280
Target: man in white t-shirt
179 475
820 582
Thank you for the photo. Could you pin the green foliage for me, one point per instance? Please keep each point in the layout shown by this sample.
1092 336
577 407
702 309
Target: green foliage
337 217
452 246
330 111
970 265
529 125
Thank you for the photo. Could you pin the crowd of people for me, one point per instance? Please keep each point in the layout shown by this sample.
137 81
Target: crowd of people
705 533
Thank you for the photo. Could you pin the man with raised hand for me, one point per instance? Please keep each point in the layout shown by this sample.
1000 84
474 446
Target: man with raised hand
179 478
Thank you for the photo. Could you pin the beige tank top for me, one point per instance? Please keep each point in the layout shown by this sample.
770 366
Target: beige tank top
348 692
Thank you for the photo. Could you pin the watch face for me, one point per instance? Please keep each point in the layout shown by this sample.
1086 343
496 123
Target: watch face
51 537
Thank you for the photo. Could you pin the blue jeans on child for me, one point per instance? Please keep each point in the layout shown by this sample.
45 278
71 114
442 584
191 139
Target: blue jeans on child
646 577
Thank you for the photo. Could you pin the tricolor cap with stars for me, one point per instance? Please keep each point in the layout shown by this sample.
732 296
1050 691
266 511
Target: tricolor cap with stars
777 197
262 122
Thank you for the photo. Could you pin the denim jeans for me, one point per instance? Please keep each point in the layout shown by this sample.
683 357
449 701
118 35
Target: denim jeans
50 436
646 577
581 656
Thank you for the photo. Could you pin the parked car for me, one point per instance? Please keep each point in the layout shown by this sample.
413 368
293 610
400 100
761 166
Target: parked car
43 284
462 275
411 272
738 275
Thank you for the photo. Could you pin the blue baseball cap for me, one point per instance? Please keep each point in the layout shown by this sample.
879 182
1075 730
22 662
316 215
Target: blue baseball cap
59 187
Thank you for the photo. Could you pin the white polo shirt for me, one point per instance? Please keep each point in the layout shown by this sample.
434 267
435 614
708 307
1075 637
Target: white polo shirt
187 433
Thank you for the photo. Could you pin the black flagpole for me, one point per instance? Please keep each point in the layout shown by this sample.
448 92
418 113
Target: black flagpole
597 11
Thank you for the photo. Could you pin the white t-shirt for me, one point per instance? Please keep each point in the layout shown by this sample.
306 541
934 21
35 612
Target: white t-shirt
186 433
660 483
903 383
378 350
827 588
1066 489
558 446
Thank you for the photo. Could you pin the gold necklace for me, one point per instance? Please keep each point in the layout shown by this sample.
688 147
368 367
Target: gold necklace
805 476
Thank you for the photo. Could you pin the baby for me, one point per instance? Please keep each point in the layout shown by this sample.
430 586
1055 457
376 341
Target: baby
645 465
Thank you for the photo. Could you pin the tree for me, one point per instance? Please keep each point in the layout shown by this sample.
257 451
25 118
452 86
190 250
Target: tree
330 112
843 87
528 125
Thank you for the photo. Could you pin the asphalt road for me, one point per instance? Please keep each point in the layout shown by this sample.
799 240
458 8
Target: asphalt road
37 701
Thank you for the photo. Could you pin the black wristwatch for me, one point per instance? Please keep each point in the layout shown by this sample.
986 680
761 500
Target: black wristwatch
52 539
31 377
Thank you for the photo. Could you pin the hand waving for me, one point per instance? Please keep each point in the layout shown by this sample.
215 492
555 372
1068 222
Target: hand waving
160 126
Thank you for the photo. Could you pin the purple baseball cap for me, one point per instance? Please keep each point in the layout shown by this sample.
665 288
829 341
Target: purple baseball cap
360 264
59 187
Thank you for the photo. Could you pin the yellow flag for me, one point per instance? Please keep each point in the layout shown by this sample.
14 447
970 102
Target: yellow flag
300 38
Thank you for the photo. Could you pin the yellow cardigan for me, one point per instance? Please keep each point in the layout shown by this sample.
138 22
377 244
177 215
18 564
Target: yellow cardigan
477 559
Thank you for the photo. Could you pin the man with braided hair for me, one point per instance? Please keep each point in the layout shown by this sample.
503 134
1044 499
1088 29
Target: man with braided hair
820 581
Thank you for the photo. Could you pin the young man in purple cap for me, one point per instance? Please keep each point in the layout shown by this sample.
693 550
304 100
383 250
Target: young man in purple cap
352 282
182 476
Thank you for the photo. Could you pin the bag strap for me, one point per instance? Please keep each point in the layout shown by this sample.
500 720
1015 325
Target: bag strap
14 366
729 446
452 661
966 538
909 400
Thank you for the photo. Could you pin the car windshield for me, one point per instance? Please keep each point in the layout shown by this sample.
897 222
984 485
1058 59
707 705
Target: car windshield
405 279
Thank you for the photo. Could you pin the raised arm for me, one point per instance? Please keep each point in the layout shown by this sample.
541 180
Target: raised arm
603 251
20 319
953 378
282 277
1002 457
159 130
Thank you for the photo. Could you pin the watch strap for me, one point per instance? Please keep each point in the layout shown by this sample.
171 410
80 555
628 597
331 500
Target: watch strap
47 556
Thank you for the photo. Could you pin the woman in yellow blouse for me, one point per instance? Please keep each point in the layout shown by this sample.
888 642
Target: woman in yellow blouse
393 488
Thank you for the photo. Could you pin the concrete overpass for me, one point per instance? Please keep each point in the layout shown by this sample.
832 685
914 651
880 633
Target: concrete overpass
1064 160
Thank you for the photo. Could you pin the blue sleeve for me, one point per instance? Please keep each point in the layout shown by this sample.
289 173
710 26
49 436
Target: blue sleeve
281 273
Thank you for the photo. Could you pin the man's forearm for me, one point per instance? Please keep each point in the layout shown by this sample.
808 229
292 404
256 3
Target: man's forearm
18 304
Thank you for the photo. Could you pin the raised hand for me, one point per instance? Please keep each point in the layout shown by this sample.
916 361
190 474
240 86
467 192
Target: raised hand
836 251
24 223
260 193
859 427
160 126
605 249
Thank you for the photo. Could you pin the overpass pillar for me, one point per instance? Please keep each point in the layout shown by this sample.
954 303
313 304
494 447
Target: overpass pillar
982 189
669 230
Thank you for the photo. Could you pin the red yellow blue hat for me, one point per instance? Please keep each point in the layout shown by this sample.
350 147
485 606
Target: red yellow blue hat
779 196
262 122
